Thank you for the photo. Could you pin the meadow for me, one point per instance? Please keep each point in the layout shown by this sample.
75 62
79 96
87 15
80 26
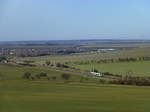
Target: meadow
11 72
29 96
18 95
139 68
89 56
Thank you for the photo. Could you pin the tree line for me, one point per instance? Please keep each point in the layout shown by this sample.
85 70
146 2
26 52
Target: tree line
115 60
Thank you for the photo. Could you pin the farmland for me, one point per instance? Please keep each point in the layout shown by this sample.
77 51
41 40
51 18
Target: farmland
37 95
140 68
90 56
18 96
10 72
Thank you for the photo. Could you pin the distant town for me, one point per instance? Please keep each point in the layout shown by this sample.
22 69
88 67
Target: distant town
43 48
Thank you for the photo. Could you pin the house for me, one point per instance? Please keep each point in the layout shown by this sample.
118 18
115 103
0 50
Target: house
97 74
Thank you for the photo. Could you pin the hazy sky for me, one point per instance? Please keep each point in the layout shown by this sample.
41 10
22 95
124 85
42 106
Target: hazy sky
74 19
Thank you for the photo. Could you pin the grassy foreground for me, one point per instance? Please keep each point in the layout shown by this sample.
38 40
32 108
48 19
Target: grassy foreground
18 95
24 96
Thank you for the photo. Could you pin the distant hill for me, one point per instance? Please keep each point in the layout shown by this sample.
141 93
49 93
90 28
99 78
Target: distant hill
72 42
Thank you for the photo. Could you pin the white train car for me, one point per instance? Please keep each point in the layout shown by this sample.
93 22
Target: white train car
97 74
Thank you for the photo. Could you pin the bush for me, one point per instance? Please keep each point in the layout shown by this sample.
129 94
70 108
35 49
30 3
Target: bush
48 63
107 73
27 75
81 79
62 65
48 78
58 65
95 70
38 76
43 74
2 58
65 66
32 78
128 80
54 78
102 81
86 78
66 76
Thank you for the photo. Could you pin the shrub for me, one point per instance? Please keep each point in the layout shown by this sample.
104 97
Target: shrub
48 63
38 76
102 81
54 78
27 75
81 79
58 65
95 70
62 65
32 78
66 76
65 66
107 73
86 78
128 80
2 58
42 74
48 78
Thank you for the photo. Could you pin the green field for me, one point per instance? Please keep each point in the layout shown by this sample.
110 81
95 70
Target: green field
140 68
19 96
90 56
42 95
10 72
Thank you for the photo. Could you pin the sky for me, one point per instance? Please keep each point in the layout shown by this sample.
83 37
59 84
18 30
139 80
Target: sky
74 19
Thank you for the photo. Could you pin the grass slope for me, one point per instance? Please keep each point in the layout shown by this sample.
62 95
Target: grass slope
18 96
9 72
